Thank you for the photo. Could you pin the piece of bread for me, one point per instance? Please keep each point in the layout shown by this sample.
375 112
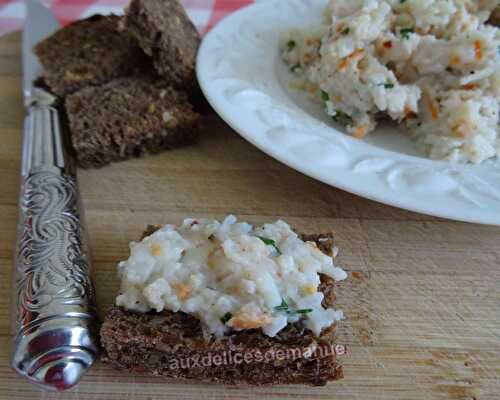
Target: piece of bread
88 52
495 17
165 32
173 345
128 117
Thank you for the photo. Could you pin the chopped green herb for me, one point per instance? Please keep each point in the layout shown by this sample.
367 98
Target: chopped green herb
269 242
304 311
324 96
387 85
402 1
342 117
294 67
227 316
405 33
291 45
345 31
284 307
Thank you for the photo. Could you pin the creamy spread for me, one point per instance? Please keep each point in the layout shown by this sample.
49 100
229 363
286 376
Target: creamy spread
433 65
229 275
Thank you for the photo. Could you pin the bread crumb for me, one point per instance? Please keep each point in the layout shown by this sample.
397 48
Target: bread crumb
168 117
72 76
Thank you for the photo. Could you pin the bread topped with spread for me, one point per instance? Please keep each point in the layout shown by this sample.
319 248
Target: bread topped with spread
227 302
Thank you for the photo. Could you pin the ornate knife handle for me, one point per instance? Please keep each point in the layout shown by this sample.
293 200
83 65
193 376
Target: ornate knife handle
55 339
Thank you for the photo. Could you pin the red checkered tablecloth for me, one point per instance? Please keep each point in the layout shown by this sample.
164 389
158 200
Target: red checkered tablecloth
204 13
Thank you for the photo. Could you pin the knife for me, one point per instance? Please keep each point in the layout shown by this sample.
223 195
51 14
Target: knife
55 338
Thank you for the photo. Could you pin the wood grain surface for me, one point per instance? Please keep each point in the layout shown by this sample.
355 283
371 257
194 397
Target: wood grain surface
422 300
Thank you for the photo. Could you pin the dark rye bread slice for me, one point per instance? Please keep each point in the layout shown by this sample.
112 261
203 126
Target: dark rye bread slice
126 118
173 345
89 52
165 32
495 17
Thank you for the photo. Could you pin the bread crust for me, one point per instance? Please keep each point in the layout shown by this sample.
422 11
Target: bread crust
158 343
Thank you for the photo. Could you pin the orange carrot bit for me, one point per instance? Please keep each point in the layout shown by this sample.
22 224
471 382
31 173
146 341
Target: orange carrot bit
354 56
455 60
313 43
432 106
409 113
434 110
182 290
459 129
478 50
470 86
343 64
360 131
306 59
156 249
387 44
249 320
422 31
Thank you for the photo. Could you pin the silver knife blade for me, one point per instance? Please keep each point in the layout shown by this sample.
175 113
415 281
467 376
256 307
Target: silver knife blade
39 23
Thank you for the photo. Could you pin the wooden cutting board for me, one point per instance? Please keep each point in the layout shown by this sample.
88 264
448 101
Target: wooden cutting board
422 300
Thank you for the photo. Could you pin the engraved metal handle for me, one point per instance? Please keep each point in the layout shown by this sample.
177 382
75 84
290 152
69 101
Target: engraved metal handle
56 325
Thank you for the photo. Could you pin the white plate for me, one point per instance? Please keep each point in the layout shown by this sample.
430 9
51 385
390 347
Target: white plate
243 78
